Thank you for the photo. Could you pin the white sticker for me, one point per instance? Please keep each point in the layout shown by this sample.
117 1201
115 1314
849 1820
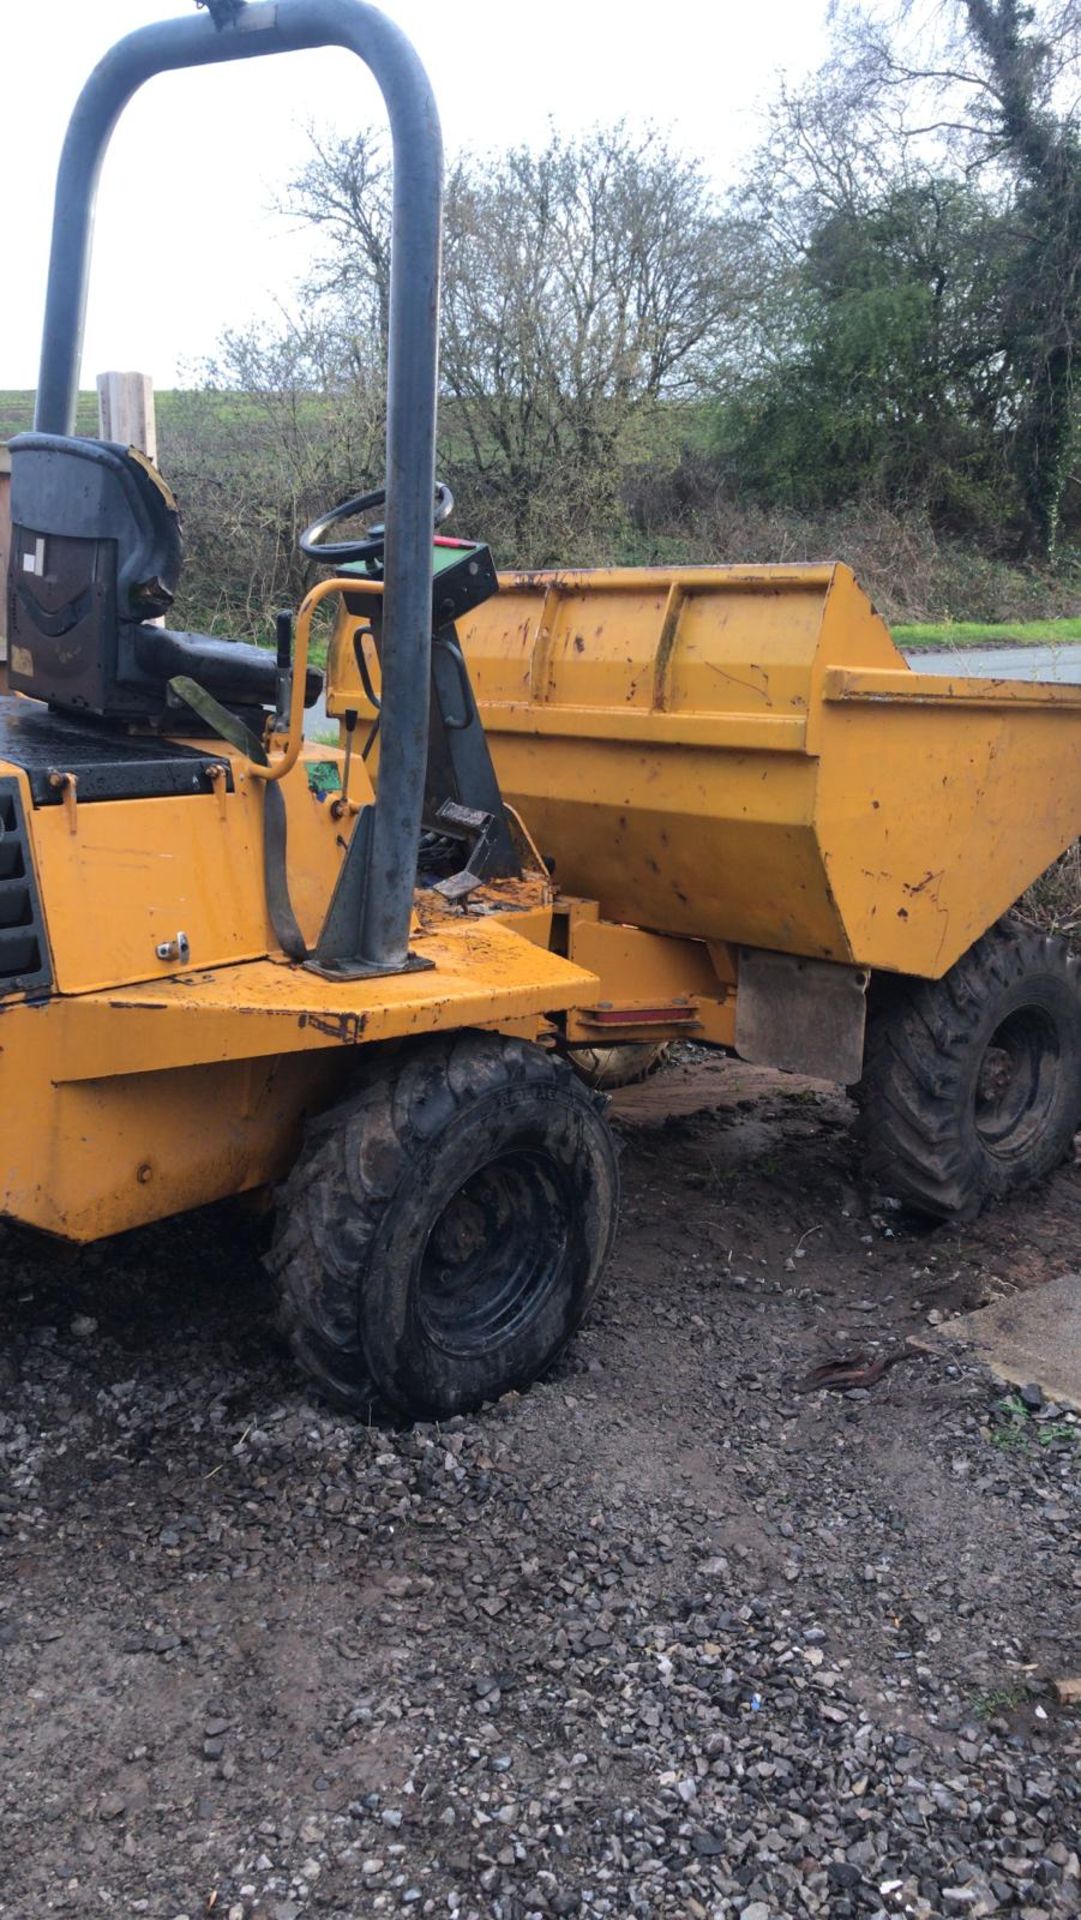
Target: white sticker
22 661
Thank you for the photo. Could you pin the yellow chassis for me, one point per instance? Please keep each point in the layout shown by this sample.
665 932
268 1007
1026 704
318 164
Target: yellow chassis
139 1088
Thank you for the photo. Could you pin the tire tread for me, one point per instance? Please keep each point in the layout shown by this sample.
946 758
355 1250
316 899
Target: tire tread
351 1161
913 1142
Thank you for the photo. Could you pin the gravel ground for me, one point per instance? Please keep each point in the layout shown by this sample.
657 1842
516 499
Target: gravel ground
666 1636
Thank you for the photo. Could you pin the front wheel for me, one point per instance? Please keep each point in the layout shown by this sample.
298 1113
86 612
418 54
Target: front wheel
972 1084
443 1232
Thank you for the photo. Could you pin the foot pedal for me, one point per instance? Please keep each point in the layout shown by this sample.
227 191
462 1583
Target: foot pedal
469 824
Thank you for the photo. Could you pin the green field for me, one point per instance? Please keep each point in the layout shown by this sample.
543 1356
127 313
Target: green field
970 633
17 409
17 413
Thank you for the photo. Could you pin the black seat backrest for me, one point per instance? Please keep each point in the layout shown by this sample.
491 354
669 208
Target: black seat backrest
95 551
95 557
97 490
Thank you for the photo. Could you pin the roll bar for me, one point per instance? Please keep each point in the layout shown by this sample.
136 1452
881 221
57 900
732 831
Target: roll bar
374 937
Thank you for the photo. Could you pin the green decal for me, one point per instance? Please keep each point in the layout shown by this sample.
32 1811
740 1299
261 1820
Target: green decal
324 776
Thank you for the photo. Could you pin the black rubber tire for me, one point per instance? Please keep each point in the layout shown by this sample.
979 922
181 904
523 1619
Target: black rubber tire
443 1231
971 1086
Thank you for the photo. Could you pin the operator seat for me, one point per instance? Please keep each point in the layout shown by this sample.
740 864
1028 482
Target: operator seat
96 551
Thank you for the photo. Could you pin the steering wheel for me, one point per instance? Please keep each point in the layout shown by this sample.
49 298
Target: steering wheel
316 547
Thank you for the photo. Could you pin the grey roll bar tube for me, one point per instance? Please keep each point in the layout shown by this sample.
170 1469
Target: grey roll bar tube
386 837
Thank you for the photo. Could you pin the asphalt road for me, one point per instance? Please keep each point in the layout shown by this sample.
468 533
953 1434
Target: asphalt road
1001 663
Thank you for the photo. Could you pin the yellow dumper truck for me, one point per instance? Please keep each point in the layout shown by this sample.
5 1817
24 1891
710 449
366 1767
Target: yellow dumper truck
567 811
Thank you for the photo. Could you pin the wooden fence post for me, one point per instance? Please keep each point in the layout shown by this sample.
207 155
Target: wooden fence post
126 414
126 411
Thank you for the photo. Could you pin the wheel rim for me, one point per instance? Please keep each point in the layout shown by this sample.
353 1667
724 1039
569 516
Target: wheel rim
1018 1081
495 1255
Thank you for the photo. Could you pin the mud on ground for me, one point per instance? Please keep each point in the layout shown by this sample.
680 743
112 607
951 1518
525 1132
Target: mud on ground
664 1637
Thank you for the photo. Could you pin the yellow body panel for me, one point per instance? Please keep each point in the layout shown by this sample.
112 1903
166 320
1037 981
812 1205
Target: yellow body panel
119 877
940 801
741 755
640 976
96 1157
137 1102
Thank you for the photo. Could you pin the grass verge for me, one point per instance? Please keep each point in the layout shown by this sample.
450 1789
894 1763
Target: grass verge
973 633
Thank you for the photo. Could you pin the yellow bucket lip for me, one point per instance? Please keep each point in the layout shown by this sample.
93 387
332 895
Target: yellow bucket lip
819 573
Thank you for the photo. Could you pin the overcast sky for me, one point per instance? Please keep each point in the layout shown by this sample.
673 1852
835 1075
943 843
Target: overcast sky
186 241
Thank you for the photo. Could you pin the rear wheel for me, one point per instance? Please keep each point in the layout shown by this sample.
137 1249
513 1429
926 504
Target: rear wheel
972 1083
443 1232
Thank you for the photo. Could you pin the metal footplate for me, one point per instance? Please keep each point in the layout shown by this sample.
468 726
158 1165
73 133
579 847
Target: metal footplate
478 830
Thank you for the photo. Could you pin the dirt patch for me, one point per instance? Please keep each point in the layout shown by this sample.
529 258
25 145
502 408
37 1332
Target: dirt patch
664 1637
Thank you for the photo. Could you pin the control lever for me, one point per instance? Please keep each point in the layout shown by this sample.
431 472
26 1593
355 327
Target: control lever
283 640
351 717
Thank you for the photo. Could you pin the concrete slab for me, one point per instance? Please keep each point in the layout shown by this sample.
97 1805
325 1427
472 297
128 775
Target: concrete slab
1024 1338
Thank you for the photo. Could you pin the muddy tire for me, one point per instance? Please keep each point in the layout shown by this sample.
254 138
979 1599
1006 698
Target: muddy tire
972 1084
443 1232
607 1068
